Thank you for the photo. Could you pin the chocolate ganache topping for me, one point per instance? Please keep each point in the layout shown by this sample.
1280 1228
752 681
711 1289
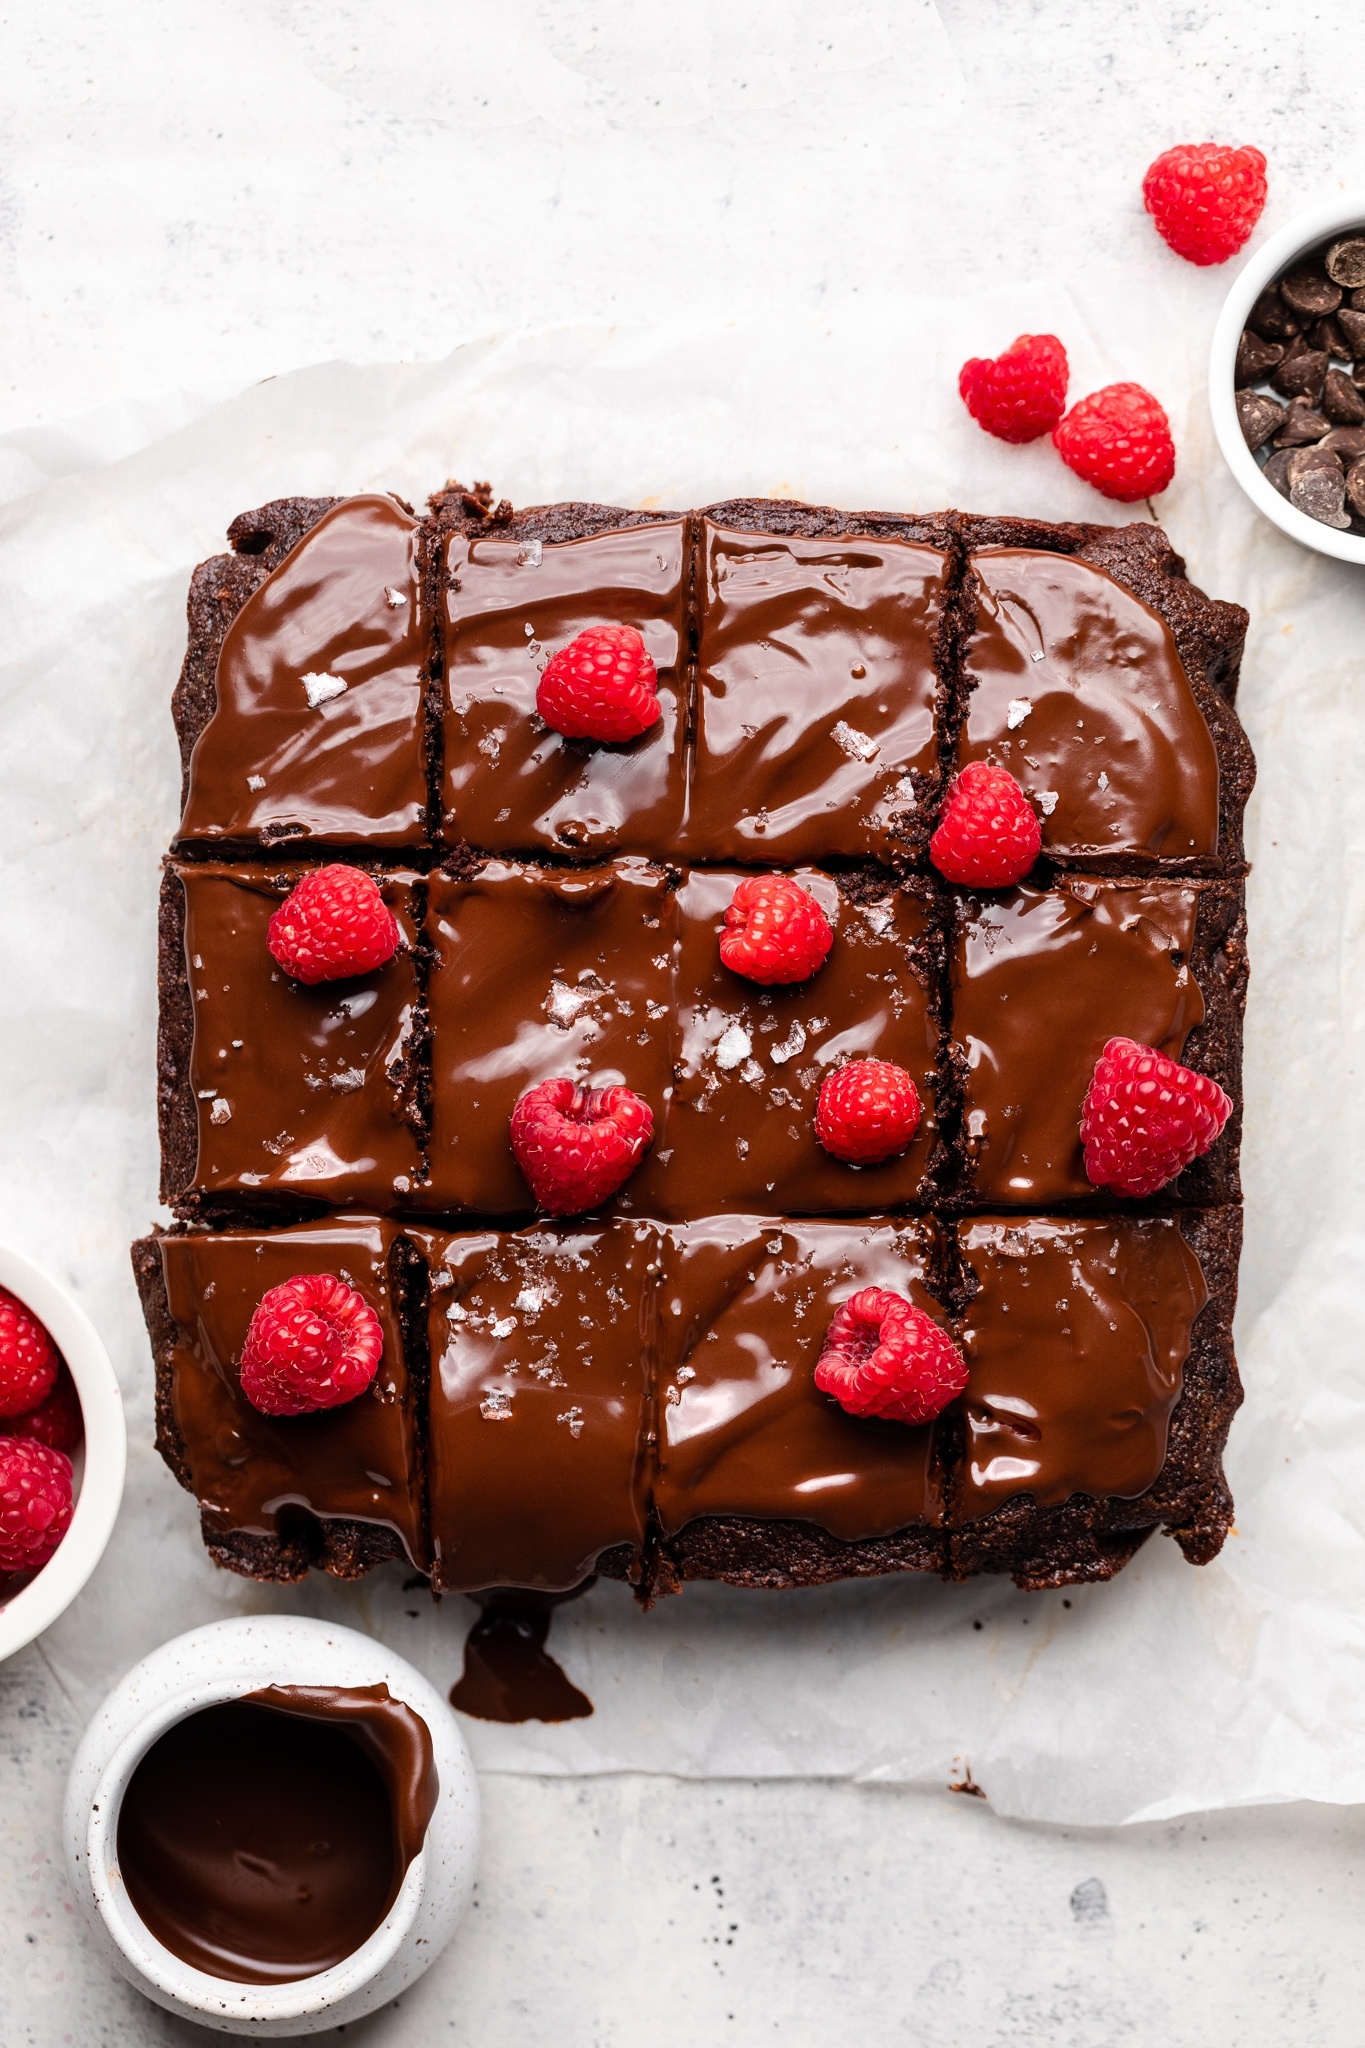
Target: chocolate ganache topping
510 782
317 732
816 696
1041 979
1080 692
297 1091
265 1839
257 1472
1076 1339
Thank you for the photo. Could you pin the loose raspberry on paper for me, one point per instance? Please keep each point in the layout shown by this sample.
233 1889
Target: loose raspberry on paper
578 1145
35 1503
313 1343
885 1357
1146 1117
601 686
988 836
28 1357
332 925
1020 395
1205 198
775 931
1119 440
57 1421
868 1111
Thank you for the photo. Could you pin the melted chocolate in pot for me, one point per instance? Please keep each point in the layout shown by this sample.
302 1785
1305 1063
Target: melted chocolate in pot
508 1673
265 1839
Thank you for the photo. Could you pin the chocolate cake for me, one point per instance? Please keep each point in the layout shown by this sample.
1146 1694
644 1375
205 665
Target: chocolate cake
631 1392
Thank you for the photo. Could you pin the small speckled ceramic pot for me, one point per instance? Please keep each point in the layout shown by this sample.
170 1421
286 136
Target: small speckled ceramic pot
221 1662
1307 231
99 1463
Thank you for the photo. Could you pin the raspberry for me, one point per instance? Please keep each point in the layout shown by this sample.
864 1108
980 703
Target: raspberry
577 1145
57 1421
333 924
775 931
988 835
1119 440
35 1503
1205 198
1020 395
887 1358
1146 1117
868 1111
313 1343
28 1357
601 686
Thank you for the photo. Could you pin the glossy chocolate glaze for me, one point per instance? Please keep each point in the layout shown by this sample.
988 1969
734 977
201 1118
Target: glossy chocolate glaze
254 1472
816 695
539 1382
265 1839
741 1426
739 1133
1041 978
540 972
347 603
1076 1339
508 1673
298 1091
1112 745
510 782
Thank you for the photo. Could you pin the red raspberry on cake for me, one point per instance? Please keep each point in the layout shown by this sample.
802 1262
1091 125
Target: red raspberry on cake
313 1343
35 1503
601 686
1146 1117
988 836
1119 440
57 1421
1205 198
578 1145
886 1358
332 925
868 1111
1020 395
28 1357
775 932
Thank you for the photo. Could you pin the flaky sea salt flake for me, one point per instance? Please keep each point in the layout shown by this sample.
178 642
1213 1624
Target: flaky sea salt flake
857 745
320 689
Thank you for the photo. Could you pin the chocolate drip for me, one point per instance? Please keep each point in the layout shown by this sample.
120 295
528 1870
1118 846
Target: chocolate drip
508 1674
265 1839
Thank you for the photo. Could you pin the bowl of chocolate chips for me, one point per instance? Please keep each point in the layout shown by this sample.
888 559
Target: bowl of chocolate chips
1287 379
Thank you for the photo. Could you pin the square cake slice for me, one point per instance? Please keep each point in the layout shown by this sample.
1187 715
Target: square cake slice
301 709
271 1091
343 1488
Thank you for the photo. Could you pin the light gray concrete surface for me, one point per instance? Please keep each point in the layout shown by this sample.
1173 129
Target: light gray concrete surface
193 197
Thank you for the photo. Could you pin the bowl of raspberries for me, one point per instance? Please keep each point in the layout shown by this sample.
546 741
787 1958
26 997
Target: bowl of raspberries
63 1448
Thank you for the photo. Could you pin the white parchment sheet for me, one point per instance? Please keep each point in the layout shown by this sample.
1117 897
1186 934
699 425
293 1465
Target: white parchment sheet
1170 1689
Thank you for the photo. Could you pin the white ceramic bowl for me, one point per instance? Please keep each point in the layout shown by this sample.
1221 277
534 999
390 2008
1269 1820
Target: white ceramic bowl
221 1662
1340 216
99 1466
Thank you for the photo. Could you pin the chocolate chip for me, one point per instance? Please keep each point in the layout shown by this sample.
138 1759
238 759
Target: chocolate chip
1301 376
1327 335
1271 317
1259 417
1346 260
1322 495
1302 461
1349 442
1276 471
1355 487
1301 424
1341 402
1308 289
1255 357
1352 325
